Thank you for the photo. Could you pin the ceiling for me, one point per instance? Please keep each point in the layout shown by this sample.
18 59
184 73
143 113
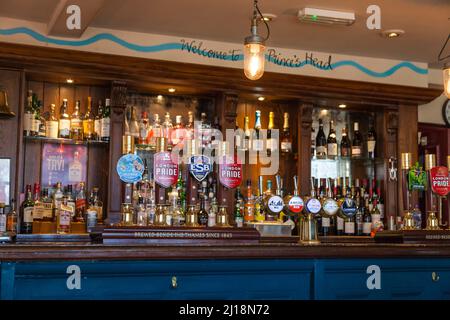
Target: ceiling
426 22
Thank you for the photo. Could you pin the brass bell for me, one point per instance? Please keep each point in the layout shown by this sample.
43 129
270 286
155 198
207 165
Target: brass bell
432 222
308 230
5 112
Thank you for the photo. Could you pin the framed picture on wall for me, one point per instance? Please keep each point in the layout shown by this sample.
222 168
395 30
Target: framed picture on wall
5 182
63 163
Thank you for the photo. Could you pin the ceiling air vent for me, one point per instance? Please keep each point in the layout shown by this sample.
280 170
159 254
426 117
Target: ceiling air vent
327 17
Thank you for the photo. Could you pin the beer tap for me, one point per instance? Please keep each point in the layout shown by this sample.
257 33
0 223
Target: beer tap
432 220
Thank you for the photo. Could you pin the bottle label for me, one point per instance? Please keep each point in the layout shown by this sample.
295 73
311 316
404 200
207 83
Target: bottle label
64 217
375 218
88 126
105 127
313 206
272 144
332 149
349 227
28 215
286 146
28 121
38 211
330 207
239 222
356 151
340 223
258 145
64 127
35 124
345 152
51 129
80 204
249 214
211 220
97 127
2 222
91 219
371 146
75 123
321 149
325 222
275 204
295 204
367 227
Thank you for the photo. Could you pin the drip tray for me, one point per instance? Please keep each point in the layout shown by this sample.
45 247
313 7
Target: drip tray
272 229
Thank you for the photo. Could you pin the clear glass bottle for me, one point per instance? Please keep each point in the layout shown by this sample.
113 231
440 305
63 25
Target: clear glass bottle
42 120
167 130
144 128
156 131
88 122
178 133
51 125
63 219
76 125
98 121
64 121
36 116
141 215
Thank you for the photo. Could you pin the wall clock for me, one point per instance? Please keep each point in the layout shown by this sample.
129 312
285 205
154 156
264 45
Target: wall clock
446 112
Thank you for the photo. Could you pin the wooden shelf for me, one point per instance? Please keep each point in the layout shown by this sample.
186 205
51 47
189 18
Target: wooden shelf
65 141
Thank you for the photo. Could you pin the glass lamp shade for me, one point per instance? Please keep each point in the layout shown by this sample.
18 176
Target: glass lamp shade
447 80
254 60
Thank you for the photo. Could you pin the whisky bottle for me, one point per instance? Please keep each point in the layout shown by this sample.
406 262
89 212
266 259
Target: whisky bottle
271 142
11 219
80 204
346 145
286 140
38 208
371 140
88 122
76 125
332 148
28 116
51 125
106 121
178 133
357 144
143 128
64 121
63 218
47 202
75 168
321 142
259 205
98 121
27 212
247 134
257 143
249 214
42 121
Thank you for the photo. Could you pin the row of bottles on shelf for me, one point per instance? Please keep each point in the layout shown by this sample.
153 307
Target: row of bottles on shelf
323 147
76 126
60 206
146 132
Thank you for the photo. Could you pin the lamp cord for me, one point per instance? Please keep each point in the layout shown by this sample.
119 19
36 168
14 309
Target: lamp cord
265 22
442 50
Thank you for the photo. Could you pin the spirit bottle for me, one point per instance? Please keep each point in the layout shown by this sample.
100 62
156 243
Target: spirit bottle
259 205
88 122
332 147
36 116
80 204
106 122
63 218
247 134
313 142
28 116
134 125
75 168
64 121
143 128
238 217
76 125
141 215
204 131
178 133
38 209
190 126
51 125
156 131
357 144
2 219
371 140
257 144
96 204
167 130
181 188
249 214
367 219
203 214
286 140
321 142
98 121
70 198
271 142
11 219
42 121
57 199
27 212
346 145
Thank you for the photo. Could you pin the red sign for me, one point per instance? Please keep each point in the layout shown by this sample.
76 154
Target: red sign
439 180
164 169
230 173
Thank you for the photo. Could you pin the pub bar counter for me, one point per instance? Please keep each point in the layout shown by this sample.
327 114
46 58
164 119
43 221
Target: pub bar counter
101 210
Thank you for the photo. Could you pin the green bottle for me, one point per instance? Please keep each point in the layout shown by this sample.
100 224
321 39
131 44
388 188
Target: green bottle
238 216
181 188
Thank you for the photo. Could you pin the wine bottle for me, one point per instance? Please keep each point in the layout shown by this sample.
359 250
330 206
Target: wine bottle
271 142
357 144
321 142
28 116
371 140
332 149
286 140
345 144
257 143
27 212
64 121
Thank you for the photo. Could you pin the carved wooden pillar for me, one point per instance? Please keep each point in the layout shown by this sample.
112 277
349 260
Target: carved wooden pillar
388 122
304 148
226 108
118 105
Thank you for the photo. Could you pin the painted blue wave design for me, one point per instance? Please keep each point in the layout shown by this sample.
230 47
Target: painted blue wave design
178 46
